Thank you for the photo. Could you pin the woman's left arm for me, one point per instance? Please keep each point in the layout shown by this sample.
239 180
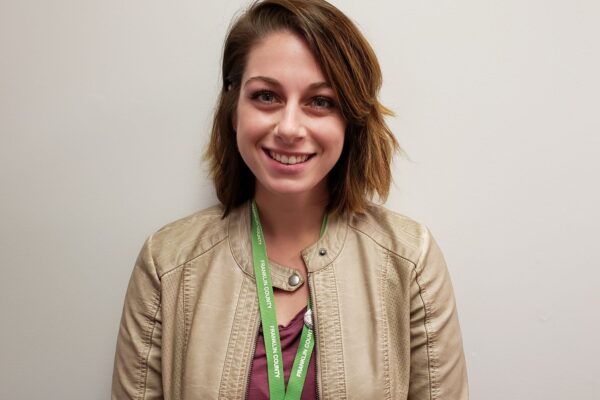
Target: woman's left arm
438 369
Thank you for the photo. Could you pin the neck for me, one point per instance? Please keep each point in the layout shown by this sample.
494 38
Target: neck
297 215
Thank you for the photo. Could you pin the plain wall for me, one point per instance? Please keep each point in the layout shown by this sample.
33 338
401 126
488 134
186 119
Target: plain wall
105 107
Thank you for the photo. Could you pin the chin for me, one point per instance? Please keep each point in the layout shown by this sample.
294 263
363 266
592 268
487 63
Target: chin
294 189
289 191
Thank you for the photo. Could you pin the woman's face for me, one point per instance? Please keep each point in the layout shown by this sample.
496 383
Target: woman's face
290 131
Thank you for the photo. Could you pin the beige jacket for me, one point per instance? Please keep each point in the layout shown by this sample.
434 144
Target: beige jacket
385 316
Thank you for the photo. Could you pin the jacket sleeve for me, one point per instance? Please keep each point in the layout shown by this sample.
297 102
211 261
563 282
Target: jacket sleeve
437 370
137 368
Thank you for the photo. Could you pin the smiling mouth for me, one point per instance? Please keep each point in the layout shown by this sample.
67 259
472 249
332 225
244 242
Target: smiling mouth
288 159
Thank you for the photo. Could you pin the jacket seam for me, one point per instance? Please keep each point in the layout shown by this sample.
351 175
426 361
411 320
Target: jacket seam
192 258
342 390
341 332
251 337
378 230
385 326
384 247
148 331
231 343
144 359
430 338
186 306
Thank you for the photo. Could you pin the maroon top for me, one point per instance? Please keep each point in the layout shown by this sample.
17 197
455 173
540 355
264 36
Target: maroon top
290 340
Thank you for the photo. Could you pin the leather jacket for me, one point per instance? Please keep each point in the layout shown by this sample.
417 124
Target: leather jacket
386 325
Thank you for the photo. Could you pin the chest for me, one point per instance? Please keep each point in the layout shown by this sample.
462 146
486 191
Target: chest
361 310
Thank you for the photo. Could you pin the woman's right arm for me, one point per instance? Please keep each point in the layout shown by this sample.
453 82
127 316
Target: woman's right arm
137 370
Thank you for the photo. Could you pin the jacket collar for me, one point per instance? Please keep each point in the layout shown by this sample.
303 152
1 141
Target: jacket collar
316 256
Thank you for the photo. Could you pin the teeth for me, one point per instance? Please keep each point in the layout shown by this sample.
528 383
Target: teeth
291 160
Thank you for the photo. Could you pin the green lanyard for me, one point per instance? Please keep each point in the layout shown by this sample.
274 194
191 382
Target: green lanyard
268 316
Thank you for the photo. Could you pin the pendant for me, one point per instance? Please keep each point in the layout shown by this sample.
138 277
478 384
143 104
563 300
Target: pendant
308 319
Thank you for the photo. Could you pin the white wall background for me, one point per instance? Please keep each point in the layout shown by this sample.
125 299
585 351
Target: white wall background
105 107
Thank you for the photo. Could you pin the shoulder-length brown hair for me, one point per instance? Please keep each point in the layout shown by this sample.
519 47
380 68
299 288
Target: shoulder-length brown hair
352 69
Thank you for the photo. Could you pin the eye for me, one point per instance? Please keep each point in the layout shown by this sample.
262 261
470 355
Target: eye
264 96
322 102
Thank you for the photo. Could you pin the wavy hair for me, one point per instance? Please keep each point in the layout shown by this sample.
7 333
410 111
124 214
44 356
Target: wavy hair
352 69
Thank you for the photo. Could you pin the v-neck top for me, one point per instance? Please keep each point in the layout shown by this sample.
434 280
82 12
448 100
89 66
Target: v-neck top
290 340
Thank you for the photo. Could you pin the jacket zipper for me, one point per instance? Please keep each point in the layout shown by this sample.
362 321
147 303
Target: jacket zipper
314 318
255 338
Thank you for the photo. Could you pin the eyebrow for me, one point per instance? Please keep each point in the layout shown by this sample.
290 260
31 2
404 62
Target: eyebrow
275 82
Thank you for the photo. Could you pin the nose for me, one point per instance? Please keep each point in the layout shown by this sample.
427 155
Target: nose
290 127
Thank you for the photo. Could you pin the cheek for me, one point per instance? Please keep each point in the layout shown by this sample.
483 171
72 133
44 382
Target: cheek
249 122
336 136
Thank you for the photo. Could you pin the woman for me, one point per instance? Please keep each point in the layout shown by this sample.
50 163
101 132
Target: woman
353 301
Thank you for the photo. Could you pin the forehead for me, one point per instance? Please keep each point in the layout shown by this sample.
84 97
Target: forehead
283 56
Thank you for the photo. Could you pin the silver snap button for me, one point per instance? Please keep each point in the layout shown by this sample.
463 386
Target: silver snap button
294 280
322 252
